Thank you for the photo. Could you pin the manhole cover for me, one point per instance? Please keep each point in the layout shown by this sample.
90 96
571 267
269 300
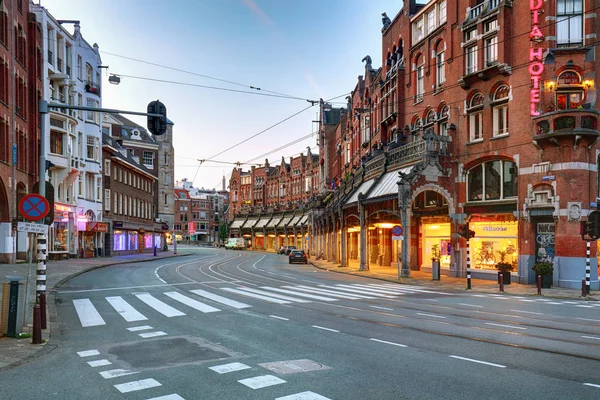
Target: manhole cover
294 366
167 352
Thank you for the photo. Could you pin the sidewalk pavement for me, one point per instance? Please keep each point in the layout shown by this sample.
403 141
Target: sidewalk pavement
15 351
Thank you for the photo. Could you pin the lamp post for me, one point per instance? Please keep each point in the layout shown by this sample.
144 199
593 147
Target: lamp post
403 200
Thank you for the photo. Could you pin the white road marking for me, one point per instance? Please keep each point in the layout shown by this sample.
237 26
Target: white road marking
310 296
479 295
430 299
256 296
588 319
506 326
591 337
370 292
151 334
231 367
431 315
478 361
99 363
220 299
569 302
592 385
134 386
168 397
382 308
159 306
554 302
281 318
158 277
87 313
528 312
356 290
139 328
304 396
527 301
195 304
125 309
262 381
386 342
469 305
277 296
115 373
126 288
582 306
88 353
325 329
330 292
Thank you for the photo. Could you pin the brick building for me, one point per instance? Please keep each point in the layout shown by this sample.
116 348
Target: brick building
20 89
483 114
183 215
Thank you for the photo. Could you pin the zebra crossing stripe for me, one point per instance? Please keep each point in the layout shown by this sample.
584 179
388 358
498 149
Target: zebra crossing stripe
124 309
310 296
257 296
88 353
262 381
304 396
191 302
277 296
349 288
231 367
87 313
159 306
151 334
168 397
349 296
220 299
99 363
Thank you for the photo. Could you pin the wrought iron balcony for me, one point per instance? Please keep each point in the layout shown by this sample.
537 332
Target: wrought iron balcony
91 87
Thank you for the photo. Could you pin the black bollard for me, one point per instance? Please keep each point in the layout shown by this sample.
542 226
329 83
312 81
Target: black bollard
583 288
501 280
37 329
43 310
539 284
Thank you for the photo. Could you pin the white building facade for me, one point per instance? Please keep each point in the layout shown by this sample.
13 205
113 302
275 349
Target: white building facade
71 75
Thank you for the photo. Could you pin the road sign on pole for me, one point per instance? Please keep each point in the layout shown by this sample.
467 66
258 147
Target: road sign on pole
34 207
32 228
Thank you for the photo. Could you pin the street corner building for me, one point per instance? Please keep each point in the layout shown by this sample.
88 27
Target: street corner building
44 58
483 116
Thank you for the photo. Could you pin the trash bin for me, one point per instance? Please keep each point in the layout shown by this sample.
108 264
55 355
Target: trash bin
435 270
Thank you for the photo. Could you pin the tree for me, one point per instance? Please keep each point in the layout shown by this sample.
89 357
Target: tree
223 233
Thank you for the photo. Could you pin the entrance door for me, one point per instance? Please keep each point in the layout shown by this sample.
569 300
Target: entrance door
544 242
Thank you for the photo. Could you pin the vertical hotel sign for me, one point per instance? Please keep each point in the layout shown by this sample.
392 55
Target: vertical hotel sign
536 66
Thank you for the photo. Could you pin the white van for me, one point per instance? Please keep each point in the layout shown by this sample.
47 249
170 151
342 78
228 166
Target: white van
235 244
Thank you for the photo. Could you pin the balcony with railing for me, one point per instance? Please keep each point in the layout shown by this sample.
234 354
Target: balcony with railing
482 9
572 124
91 87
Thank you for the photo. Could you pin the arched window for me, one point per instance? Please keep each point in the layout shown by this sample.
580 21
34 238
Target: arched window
500 111
475 111
569 91
417 124
492 180
430 118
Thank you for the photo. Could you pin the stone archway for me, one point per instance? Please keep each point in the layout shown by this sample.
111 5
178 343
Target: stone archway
435 188
4 208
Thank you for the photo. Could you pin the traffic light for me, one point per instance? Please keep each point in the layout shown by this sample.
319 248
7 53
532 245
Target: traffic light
465 232
157 125
591 227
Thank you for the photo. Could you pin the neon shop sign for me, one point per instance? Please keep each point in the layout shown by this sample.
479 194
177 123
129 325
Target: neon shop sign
536 66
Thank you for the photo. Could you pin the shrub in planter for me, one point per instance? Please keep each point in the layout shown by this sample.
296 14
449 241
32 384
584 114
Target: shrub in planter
545 269
504 268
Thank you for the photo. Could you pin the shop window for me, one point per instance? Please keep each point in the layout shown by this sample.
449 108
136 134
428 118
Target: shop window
148 240
494 242
120 241
493 180
133 238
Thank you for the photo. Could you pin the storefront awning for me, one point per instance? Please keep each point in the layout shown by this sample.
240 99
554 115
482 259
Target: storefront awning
249 223
363 188
295 220
274 222
237 223
284 222
388 184
262 223
304 220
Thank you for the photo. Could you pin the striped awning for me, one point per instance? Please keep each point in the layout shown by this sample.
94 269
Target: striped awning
262 223
249 223
363 188
388 184
274 221
237 223
284 222
295 220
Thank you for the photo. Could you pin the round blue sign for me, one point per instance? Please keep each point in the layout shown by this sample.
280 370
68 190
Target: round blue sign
397 230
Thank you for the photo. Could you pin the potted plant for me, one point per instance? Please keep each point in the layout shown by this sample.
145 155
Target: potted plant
504 268
435 262
545 269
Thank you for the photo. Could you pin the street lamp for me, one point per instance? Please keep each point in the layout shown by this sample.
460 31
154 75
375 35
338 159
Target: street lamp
114 79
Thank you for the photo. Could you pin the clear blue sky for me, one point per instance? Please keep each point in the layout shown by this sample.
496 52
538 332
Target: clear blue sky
304 48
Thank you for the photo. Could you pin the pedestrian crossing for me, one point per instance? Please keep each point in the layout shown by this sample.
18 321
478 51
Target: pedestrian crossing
175 304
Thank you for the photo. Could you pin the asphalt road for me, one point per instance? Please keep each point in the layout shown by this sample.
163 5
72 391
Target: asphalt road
240 325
